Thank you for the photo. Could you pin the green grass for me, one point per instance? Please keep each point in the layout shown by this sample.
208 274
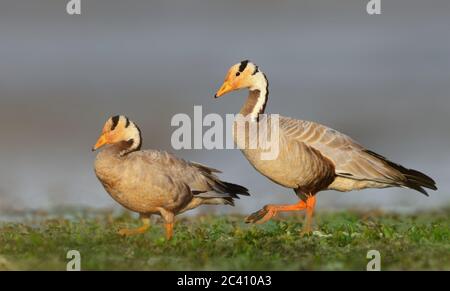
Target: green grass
406 242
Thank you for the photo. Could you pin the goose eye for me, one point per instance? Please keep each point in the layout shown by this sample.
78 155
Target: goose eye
237 74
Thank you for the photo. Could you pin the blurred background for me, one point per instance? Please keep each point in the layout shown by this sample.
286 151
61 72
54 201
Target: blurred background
382 79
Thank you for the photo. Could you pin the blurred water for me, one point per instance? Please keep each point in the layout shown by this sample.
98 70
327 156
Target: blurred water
383 79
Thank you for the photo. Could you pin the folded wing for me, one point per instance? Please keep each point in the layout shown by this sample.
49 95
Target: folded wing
352 160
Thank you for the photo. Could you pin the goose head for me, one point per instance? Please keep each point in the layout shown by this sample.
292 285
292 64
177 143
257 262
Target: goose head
243 75
121 131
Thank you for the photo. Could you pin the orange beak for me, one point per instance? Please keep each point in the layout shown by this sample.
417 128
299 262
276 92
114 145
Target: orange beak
226 87
102 140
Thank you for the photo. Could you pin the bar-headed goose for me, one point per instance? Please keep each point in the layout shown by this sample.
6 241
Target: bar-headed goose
154 182
312 157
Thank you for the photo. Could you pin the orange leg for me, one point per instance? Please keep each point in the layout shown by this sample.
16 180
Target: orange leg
169 230
269 211
133 231
168 218
310 204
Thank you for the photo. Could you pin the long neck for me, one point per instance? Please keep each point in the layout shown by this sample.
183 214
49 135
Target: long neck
257 99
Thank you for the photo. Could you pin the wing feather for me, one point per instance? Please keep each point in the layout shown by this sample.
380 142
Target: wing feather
351 159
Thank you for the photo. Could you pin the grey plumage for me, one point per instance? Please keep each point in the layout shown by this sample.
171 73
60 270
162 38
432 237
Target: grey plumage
155 182
151 179
311 157
351 160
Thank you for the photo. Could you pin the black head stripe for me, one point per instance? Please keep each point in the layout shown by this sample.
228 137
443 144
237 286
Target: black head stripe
115 121
243 65
256 70
263 108
140 137
127 122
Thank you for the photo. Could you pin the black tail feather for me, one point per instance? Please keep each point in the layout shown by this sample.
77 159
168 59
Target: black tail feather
236 189
218 185
413 179
229 188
